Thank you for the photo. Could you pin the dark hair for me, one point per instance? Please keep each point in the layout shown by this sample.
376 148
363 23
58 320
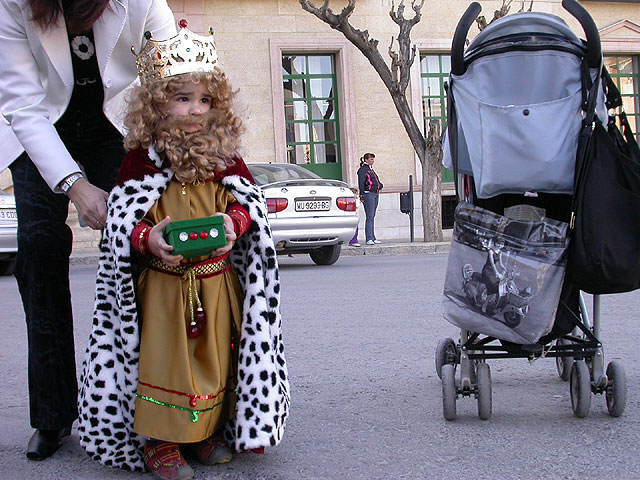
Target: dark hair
79 15
367 156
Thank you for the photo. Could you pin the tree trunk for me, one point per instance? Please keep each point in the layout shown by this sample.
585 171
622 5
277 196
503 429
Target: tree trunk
431 185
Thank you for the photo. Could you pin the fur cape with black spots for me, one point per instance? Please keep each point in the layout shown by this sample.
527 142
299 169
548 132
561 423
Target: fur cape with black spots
110 371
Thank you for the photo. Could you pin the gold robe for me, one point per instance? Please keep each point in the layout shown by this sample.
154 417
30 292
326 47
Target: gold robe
186 385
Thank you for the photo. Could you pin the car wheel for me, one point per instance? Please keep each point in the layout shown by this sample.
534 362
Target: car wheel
326 255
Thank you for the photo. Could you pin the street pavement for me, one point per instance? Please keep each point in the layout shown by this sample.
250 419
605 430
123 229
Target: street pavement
360 337
387 247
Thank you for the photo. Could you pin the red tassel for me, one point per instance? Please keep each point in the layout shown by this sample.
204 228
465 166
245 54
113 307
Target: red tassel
200 317
193 331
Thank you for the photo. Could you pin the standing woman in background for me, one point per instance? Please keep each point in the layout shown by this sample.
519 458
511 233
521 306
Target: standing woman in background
65 67
370 186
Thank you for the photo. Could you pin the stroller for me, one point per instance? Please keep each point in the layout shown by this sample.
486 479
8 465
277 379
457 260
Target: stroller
516 102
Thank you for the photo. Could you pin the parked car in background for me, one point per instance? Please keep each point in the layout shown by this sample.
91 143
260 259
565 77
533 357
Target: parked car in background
307 213
8 233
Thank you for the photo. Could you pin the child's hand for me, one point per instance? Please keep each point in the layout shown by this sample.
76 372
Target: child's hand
230 234
159 247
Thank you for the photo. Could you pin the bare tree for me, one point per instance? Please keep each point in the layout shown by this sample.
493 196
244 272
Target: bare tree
396 79
501 12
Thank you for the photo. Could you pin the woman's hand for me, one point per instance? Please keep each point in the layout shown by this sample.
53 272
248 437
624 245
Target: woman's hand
159 247
91 203
230 235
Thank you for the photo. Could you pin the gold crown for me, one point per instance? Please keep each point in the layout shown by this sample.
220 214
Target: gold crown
186 52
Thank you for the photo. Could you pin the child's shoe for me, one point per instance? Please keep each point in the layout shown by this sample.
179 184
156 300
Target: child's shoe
213 451
165 461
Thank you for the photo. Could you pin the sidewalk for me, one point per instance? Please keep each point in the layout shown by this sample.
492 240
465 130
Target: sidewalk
398 247
387 247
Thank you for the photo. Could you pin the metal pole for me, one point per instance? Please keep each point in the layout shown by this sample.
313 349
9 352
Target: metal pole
411 206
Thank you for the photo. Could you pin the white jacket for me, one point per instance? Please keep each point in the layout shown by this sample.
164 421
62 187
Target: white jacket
36 76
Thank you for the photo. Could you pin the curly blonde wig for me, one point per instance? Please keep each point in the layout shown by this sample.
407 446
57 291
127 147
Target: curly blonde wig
193 156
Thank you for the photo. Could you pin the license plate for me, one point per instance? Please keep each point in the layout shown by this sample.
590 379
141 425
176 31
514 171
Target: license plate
8 215
312 205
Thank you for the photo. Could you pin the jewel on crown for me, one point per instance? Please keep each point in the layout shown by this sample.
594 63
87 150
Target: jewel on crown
186 52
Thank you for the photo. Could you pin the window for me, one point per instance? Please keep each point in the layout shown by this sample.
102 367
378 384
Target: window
625 72
311 110
434 71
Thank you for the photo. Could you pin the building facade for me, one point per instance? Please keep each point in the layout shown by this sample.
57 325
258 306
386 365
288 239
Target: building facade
307 96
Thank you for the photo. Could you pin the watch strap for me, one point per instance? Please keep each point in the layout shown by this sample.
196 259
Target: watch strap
68 182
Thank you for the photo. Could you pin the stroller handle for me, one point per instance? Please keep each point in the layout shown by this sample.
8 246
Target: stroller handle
459 37
594 52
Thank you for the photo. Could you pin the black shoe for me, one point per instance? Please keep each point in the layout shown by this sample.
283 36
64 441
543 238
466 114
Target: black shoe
44 443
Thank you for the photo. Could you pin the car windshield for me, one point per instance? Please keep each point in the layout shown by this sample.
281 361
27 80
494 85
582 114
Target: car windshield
271 173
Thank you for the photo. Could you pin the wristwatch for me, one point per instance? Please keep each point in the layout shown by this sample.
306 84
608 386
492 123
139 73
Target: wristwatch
68 182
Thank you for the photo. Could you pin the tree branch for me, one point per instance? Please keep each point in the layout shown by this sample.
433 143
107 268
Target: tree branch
523 4
497 14
359 38
504 9
369 47
395 63
407 52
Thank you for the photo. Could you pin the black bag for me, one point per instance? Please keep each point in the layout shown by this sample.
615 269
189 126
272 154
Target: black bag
604 252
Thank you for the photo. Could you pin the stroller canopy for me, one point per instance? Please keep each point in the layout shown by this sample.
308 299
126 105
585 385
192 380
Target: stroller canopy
518 106
530 23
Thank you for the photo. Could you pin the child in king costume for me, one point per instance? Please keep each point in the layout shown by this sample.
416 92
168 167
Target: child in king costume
183 351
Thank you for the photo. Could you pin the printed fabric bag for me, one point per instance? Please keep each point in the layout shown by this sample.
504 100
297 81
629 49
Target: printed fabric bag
504 276
603 253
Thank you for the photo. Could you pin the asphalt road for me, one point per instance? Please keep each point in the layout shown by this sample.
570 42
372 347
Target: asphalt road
366 402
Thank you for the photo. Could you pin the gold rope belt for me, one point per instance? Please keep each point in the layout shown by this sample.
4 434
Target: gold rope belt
189 274
208 268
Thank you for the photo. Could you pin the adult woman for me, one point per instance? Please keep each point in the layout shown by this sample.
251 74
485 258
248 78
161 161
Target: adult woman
66 66
370 186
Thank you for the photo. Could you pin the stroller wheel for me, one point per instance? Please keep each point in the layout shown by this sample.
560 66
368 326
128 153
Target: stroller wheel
563 364
580 388
449 393
446 354
484 391
616 393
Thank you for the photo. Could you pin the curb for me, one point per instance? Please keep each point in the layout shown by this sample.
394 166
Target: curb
416 248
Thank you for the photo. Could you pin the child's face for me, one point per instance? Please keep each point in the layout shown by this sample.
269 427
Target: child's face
192 99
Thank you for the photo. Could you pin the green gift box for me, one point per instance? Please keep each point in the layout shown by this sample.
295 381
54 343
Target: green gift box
196 237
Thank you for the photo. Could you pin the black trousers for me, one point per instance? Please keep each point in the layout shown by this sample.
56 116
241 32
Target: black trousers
42 272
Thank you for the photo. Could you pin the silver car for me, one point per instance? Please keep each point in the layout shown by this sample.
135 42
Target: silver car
307 213
8 232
